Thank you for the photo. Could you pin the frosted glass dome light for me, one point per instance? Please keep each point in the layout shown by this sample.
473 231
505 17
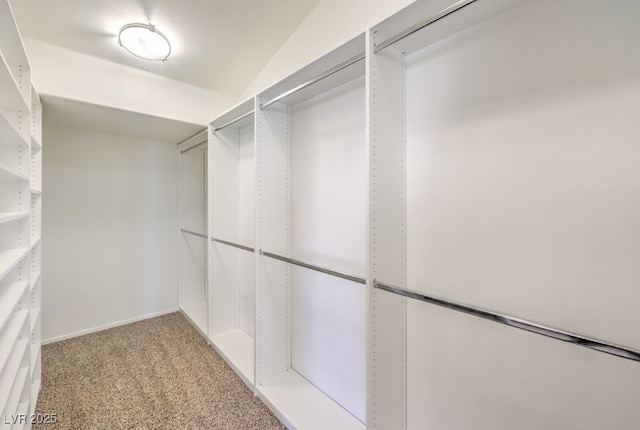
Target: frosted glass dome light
144 41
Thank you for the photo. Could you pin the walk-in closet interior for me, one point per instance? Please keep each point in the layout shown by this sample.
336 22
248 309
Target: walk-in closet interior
425 218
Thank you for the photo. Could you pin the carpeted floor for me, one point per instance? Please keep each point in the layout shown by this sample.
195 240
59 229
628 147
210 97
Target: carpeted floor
154 374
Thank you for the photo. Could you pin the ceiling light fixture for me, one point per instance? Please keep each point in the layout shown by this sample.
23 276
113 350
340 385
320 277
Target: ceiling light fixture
144 41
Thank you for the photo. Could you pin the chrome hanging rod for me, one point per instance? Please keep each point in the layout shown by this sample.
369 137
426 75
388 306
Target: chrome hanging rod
191 137
233 121
515 322
422 24
204 236
193 147
316 268
235 245
314 80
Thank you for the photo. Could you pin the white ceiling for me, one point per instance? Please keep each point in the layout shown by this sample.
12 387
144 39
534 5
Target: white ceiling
220 45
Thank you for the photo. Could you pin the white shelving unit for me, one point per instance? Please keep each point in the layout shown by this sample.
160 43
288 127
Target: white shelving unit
20 225
502 156
311 207
472 161
193 222
232 238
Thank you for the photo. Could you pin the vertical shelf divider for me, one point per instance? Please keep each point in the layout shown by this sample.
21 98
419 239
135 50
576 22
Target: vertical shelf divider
386 368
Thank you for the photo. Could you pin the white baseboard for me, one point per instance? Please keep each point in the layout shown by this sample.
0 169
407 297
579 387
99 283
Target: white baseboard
108 326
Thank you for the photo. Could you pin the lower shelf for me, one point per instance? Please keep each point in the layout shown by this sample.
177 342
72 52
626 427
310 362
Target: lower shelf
11 371
300 405
196 311
35 356
13 400
236 347
10 334
35 391
23 411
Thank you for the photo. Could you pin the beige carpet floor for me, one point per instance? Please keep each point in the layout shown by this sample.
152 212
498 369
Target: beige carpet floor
154 374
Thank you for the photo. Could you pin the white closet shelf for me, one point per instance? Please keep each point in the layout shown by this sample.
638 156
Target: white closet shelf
414 35
12 52
35 355
36 145
36 192
237 117
35 241
34 280
196 312
13 401
9 258
34 315
23 410
35 390
9 134
11 371
11 46
10 334
317 77
8 173
12 98
236 347
302 405
12 216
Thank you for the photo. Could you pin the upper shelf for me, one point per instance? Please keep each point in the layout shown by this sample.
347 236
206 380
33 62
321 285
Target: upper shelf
8 173
9 258
12 97
11 46
12 216
10 295
9 133
238 116
15 89
425 22
35 144
337 67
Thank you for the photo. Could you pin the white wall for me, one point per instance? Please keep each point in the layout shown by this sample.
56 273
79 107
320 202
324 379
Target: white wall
72 75
110 217
329 25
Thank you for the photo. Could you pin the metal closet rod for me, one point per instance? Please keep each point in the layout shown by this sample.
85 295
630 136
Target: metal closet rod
193 147
233 121
235 245
515 322
313 267
204 236
326 74
191 137
422 24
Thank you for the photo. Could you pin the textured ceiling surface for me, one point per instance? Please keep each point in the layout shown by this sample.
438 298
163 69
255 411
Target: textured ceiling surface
220 45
